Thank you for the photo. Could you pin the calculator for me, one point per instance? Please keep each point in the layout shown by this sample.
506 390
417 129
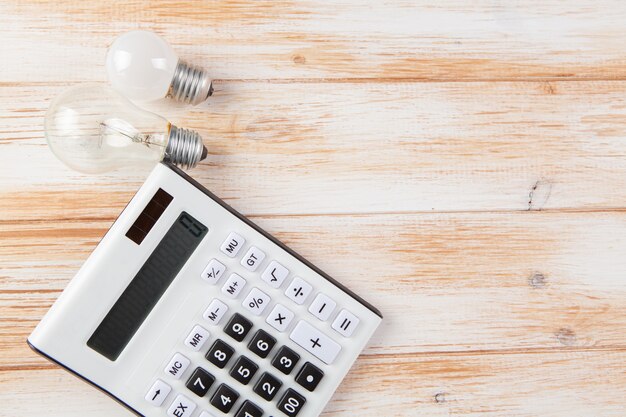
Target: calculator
188 309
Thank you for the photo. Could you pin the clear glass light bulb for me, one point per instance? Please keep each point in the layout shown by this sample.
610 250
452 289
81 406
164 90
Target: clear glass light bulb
93 129
144 67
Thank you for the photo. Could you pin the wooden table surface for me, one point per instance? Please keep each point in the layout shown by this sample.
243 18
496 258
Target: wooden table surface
462 165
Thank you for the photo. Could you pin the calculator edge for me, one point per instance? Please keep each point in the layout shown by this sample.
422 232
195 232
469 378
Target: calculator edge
80 376
273 239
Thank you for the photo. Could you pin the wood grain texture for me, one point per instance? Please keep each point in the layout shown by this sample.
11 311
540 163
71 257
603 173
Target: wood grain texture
466 384
358 147
528 281
398 39
459 164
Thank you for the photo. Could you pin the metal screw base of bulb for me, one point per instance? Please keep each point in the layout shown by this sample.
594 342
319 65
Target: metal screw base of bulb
190 84
184 148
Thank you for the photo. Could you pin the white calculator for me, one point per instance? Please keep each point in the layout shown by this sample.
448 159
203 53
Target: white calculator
188 309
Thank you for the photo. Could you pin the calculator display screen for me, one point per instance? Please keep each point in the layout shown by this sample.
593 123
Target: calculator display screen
147 287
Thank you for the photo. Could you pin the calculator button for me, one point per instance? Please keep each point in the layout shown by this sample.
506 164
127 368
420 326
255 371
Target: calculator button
177 366
249 409
181 407
233 286
309 376
322 307
253 259
238 327
224 398
157 393
232 245
280 317
298 290
215 311
213 271
267 386
206 414
197 338
275 274
244 370
220 353
285 360
200 381
262 343
291 403
256 301
315 342
345 323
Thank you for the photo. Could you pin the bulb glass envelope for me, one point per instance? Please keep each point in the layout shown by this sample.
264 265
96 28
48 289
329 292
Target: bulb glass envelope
93 129
141 65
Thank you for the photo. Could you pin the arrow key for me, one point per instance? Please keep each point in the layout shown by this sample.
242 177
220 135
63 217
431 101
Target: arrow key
157 393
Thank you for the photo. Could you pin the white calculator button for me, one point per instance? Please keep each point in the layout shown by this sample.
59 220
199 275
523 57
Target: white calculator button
233 286
275 274
206 414
197 338
181 407
345 323
157 393
213 271
177 366
280 317
298 290
215 311
232 245
253 259
256 301
322 307
315 342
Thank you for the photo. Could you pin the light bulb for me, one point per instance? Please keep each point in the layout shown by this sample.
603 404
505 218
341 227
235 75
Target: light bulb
93 129
142 66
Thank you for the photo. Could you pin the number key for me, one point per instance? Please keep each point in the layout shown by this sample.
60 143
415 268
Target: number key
224 398
238 327
262 343
267 386
291 403
220 353
243 370
285 360
249 409
200 382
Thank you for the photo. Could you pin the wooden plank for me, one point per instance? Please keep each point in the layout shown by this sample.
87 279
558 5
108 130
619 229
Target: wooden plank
480 385
286 148
444 282
404 39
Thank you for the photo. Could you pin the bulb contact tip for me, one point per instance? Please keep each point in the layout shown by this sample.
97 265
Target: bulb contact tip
184 148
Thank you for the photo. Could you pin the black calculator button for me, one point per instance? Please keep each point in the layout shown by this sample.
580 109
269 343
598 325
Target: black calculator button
200 382
309 376
249 409
291 403
267 386
224 398
285 360
262 343
238 327
243 370
220 353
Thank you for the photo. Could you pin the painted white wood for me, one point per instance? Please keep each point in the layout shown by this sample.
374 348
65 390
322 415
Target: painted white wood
418 132
360 148
66 40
